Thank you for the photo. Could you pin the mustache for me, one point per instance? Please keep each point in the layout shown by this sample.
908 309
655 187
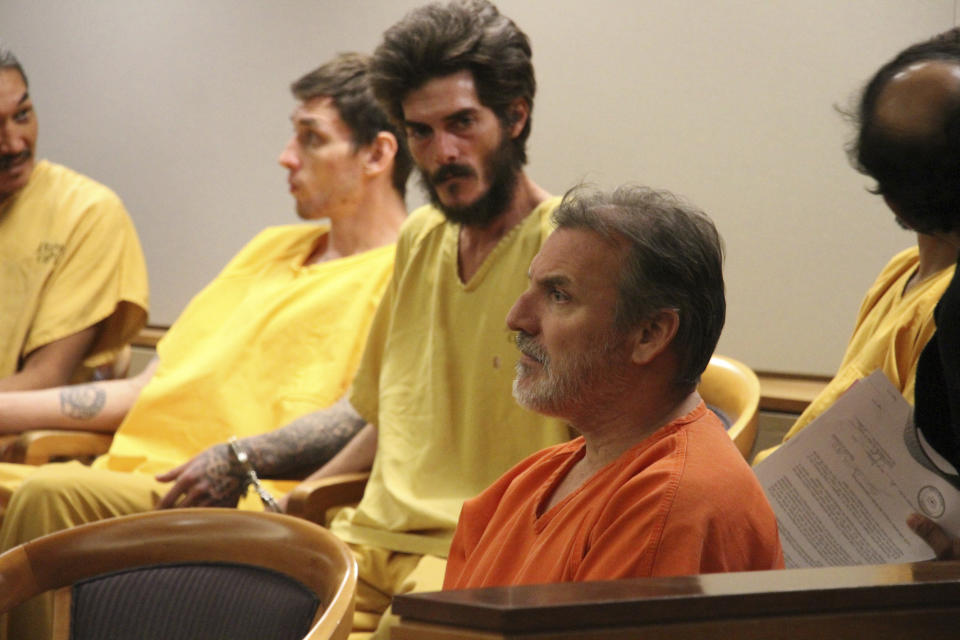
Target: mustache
529 347
9 159
448 171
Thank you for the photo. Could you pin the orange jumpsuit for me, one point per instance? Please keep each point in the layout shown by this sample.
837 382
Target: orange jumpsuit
682 502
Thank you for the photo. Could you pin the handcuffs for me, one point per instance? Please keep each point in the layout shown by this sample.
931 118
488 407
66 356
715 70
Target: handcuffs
250 476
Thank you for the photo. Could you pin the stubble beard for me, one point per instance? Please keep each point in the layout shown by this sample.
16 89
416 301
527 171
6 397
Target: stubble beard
562 384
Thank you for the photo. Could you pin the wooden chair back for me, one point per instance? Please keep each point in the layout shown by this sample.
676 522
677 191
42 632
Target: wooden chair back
734 388
289 546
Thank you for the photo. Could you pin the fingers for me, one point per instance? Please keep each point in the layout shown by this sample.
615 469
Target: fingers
204 481
171 475
944 546
190 493
179 488
197 496
195 490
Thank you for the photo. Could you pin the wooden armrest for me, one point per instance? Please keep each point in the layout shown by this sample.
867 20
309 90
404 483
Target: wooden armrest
6 446
311 499
45 445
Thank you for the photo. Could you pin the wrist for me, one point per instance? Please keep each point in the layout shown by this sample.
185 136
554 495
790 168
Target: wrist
240 460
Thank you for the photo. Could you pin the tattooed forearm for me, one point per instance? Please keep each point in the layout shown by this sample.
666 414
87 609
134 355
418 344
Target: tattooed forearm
82 402
307 442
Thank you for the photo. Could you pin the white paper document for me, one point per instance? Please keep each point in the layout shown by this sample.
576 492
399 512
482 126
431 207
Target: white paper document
843 487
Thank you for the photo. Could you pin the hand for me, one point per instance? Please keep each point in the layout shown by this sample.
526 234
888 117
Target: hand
210 479
944 545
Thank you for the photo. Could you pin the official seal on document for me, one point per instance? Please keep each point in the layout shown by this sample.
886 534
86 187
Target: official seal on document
931 501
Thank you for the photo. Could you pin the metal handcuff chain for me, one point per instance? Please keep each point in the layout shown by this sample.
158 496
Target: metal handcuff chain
250 476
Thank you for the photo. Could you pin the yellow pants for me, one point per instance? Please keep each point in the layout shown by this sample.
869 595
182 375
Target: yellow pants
52 497
383 574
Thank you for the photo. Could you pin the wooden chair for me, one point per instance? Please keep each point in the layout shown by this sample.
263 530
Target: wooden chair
41 446
313 499
734 388
118 574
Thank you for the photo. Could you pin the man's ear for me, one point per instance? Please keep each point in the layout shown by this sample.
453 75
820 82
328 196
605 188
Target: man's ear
518 113
654 336
380 153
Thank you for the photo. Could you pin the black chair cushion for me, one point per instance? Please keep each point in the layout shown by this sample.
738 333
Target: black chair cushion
206 601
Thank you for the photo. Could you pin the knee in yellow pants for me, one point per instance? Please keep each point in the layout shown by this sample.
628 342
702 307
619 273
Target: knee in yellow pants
11 477
383 574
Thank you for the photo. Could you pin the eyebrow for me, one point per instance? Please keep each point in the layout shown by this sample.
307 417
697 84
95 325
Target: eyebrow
554 281
24 97
467 111
303 121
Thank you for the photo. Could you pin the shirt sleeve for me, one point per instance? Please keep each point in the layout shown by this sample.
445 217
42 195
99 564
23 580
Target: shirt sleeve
100 275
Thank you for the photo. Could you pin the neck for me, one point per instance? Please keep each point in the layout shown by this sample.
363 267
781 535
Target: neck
610 434
477 242
373 223
935 255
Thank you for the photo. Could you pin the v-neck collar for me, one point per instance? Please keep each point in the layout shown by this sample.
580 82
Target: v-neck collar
451 246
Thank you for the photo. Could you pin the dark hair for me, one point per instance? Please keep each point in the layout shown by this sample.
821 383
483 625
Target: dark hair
919 174
674 261
9 61
346 80
465 35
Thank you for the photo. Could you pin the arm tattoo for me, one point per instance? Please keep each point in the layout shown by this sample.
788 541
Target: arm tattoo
82 402
308 442
225 477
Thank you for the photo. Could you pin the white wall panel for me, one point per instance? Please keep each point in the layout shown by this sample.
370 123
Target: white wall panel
181 106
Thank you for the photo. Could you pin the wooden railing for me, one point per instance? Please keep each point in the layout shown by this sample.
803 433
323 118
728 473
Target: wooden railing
877 602
149 336
788 393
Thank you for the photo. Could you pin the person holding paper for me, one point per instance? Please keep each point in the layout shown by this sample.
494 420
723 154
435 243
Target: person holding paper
909 142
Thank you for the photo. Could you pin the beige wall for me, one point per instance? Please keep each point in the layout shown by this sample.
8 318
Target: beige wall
181 106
